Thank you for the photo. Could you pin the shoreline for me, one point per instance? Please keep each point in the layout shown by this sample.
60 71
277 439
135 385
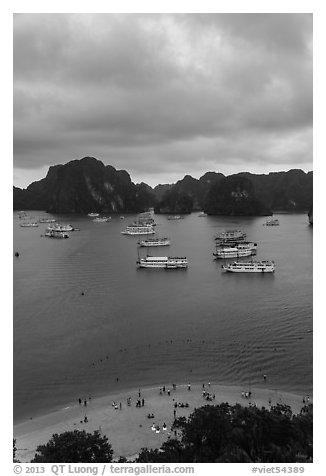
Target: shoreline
128 429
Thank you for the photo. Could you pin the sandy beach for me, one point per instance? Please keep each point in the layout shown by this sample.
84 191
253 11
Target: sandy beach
128 428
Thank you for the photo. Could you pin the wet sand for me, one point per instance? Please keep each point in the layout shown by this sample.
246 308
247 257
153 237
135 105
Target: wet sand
129 429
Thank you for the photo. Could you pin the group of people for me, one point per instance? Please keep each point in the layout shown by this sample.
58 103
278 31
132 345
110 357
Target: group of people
116 407
157 428
84 401
140 402
246 394
208 396
181 405
164 390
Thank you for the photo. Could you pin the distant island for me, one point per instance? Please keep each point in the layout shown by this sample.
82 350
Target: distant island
85 185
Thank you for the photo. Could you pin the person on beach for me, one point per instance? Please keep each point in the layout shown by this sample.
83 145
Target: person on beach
142 402
169 392
79 401
203 386
189 386
163 388
164 427
174 413
265 376
139 393
85 402
120 406
160 391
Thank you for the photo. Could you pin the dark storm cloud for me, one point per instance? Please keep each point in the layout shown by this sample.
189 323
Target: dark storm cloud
159 94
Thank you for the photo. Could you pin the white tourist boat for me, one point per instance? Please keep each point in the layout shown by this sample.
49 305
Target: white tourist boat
163 262
231 235
202 214
272 222
29 225
250 267
138 230
59 227
47 220
238 251
175 217
101 219
93 214
154 242
56 234
145 218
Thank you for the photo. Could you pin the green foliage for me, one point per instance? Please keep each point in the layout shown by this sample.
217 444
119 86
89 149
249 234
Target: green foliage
237 434
14 451
75 447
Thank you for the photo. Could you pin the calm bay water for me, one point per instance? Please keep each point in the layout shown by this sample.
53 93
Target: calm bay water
155 327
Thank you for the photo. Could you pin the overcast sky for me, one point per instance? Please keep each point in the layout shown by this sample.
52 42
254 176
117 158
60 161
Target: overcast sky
161 95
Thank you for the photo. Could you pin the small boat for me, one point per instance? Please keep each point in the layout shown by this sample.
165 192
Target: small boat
162 262
238 251
101 219
93 214
202 214
29 225
122 218
250 267
59 227
175 217
231 235
138 230
154 242
56 234
272 222
145 218
47 220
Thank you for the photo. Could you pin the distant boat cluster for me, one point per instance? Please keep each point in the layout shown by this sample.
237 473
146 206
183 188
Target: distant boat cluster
53 230
144 225
230 244
233 244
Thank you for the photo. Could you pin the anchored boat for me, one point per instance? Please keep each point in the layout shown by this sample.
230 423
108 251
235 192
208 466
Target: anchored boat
101 219
56 234
272 222
60 227
148 242
28 225
230 237
236 251
164 262
250 267
139 230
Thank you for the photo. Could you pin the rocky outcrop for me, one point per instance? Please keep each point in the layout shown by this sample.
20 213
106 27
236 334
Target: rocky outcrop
85 185
234 196
175 202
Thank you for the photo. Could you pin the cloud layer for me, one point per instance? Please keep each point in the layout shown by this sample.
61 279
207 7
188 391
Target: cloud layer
163 95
